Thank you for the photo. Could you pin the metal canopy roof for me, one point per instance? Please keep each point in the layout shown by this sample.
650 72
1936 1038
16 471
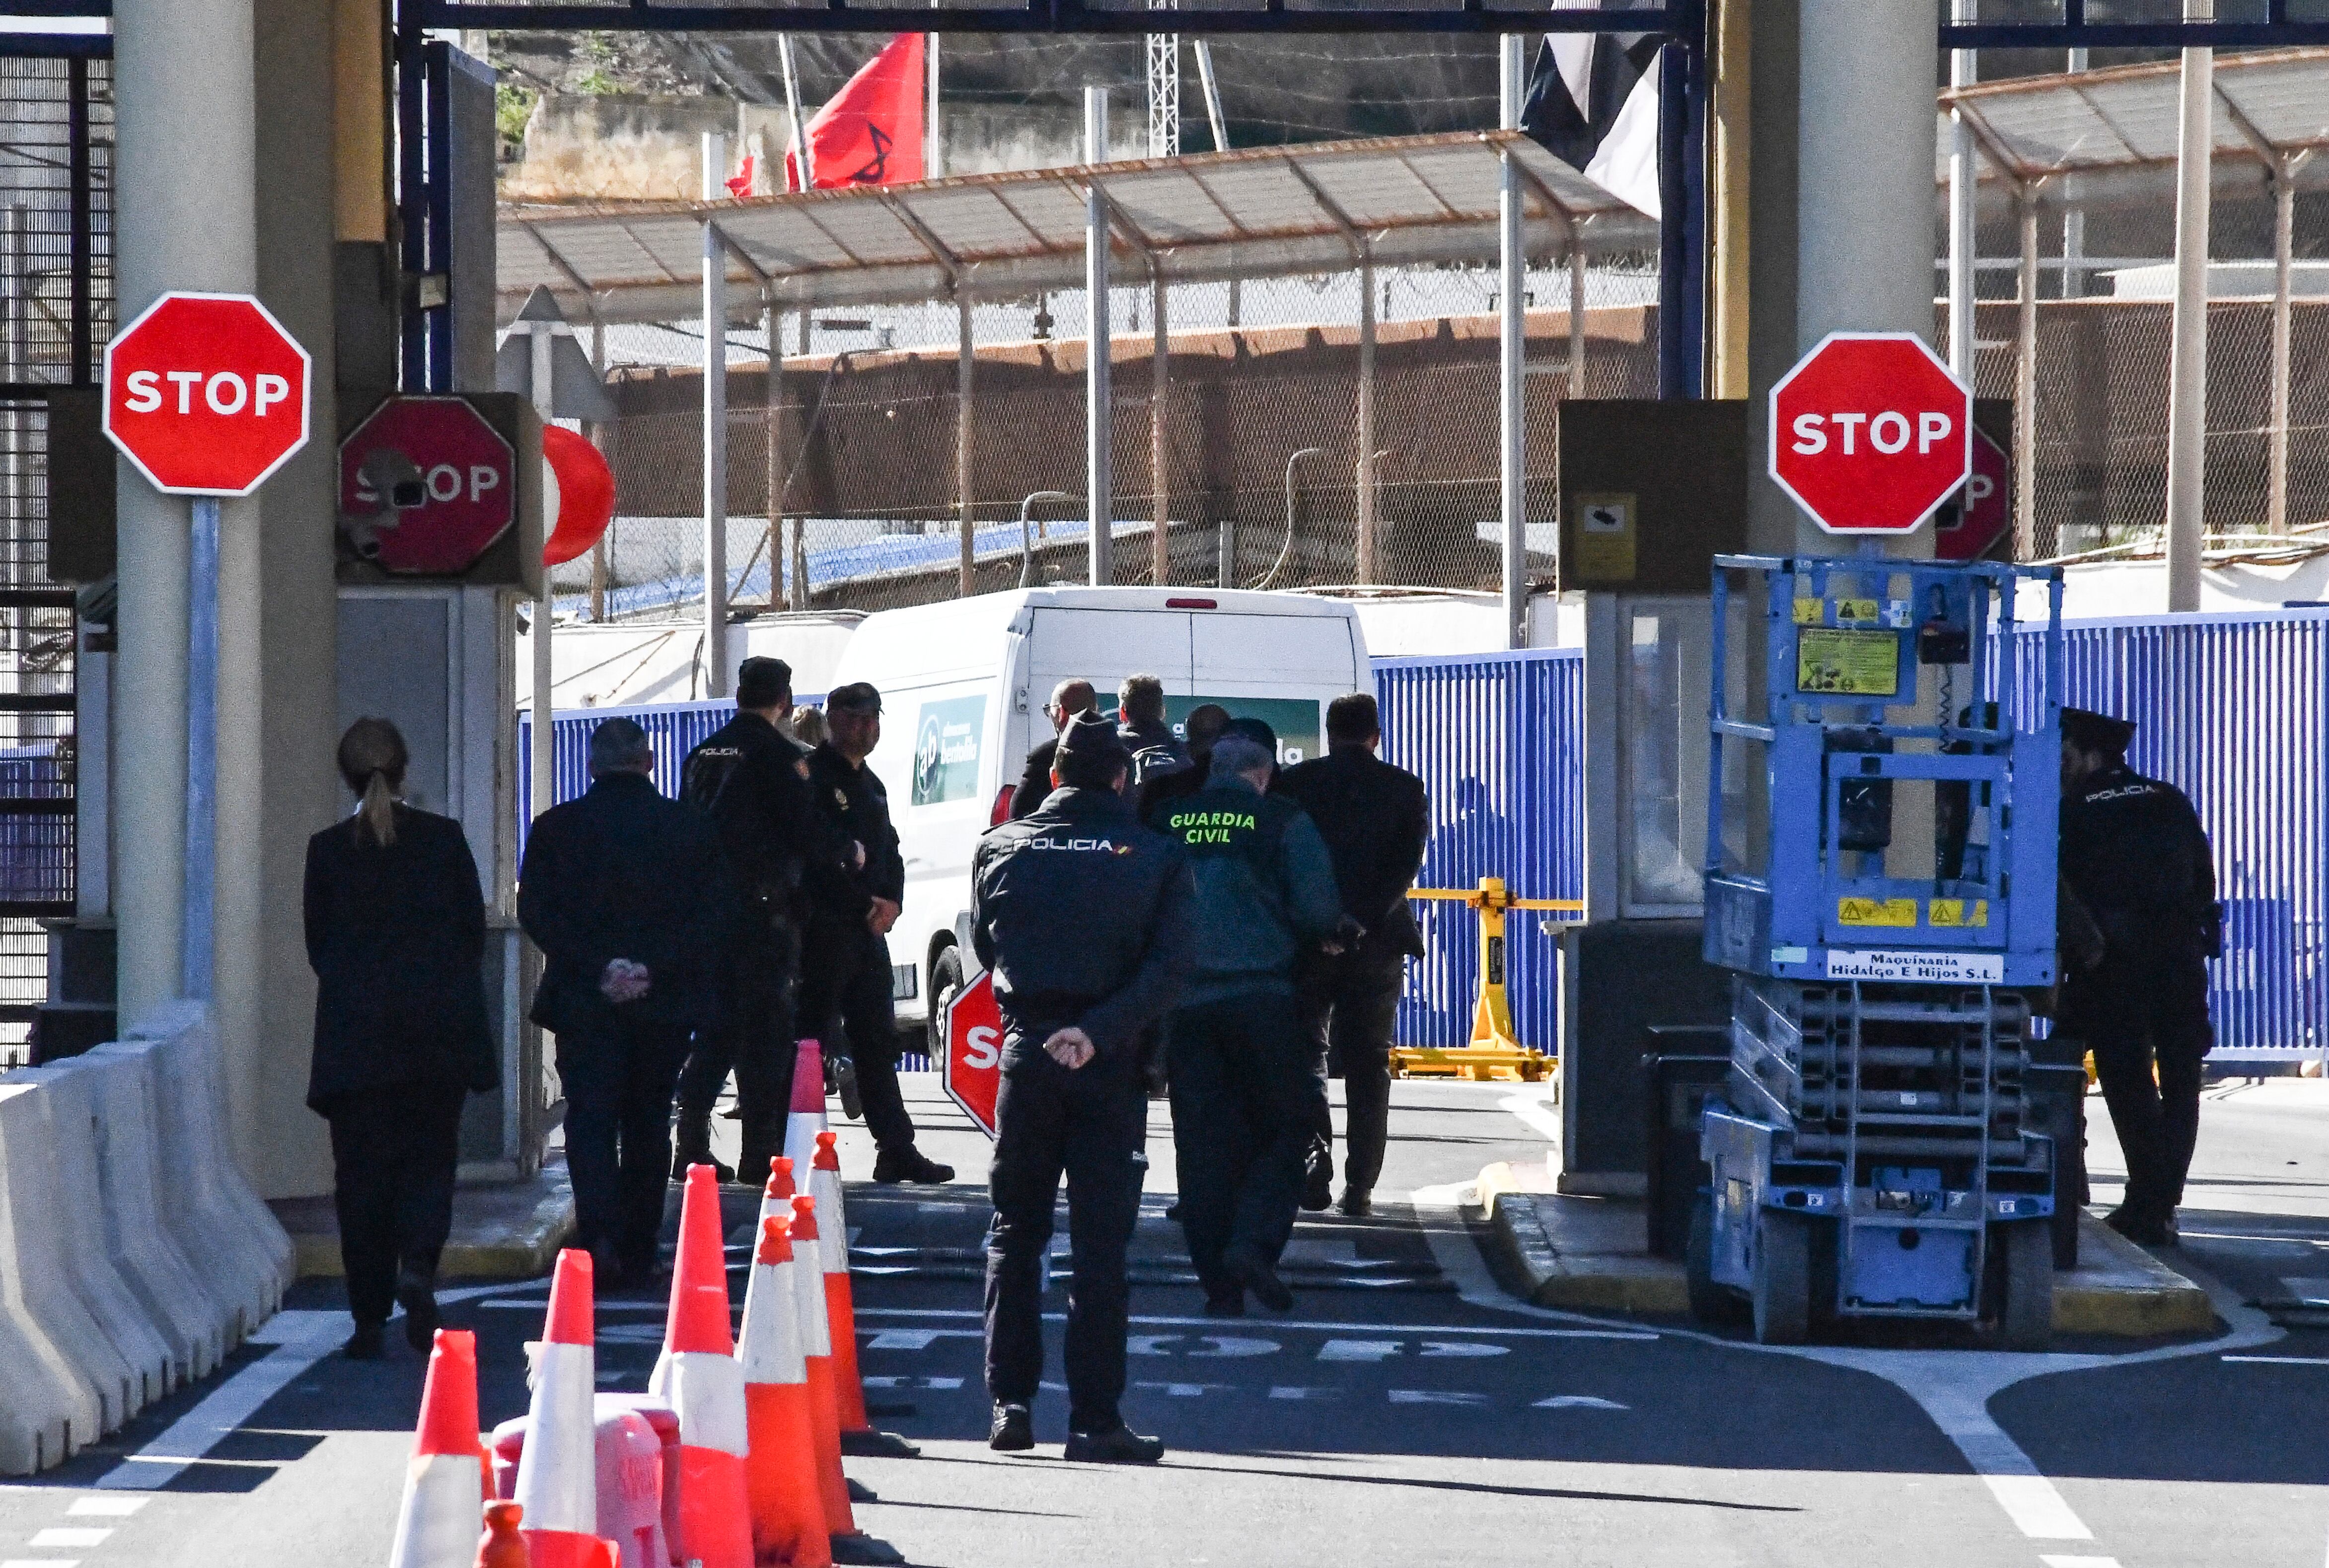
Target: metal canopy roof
1254 213
2108 137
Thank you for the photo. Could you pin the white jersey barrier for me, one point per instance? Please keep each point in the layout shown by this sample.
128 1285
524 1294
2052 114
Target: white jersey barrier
133 1252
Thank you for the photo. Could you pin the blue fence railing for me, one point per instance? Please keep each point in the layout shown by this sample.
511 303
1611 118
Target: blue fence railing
1497 739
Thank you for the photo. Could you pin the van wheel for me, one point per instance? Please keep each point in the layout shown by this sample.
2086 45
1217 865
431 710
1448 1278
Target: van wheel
946 983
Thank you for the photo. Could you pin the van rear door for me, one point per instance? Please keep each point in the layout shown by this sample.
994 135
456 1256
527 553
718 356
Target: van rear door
1103 647
1280 669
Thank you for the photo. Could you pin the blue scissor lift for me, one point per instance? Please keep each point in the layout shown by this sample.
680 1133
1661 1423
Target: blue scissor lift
1873 1154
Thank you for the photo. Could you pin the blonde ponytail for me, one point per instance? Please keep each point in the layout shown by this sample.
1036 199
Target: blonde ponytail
378 812
373 760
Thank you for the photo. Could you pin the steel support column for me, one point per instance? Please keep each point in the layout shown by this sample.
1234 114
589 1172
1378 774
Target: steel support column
1099 492
965 365
1160 463
1370 559
2284 228
1965 192
2025 381
2187 380
1512 343
716 429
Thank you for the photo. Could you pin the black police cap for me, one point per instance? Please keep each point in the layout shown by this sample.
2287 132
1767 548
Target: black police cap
857 697
2090 731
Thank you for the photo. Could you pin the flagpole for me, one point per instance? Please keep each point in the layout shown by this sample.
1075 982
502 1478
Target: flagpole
793 108
933 138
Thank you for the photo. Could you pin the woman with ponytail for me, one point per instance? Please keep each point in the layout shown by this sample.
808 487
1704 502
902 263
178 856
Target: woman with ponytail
396 932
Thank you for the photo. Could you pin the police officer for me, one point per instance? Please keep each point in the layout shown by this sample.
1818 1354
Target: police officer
1245 1096
1376 821
1082 916
2135 855
753 780
846 996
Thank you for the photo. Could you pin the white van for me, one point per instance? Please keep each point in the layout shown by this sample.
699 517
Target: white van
963 686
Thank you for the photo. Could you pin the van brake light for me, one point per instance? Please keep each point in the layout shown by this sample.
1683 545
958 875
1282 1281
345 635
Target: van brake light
1001 812
1193 604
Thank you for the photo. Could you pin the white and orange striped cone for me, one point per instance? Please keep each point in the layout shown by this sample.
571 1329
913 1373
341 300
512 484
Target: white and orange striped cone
858 1435
776 1197
816 1355
558 1474
698 1376
787 1509
446 1485
806 1118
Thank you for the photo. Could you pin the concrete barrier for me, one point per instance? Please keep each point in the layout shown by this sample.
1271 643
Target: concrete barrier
231 1187
211 1233
68 1103
54 1407
136 1234
34 1258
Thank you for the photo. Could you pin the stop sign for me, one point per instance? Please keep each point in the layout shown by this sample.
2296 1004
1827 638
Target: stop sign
452 482
1984 512
206 394
1870 432
972 1069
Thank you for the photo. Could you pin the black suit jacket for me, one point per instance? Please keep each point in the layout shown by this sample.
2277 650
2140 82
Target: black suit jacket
396 934
1376 821
624 873
1035 783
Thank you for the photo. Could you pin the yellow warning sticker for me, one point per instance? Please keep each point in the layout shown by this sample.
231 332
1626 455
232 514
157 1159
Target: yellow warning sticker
1851 610
1810 611
1848 663
1876 912
1956 912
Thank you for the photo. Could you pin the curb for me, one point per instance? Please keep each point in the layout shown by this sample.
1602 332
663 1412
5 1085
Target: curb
2120 1291
496 1246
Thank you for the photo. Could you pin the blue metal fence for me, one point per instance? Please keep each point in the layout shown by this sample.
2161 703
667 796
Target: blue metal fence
2234 711
674 727
1498 740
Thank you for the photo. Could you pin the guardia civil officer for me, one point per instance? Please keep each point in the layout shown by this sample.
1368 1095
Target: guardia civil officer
1376 822
846 996
625 895
2134 854
782 854
1083 917
1245 1096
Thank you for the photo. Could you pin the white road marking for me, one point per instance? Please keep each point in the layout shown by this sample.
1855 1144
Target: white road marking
2282 1360
1226 1346
1505 1330
1578 1402
1186 1390
1435 1396
300 1339
1358 1350
1434 1348
1290 1391
39 1563
63 1536
2311 1291
1539 1116
931 1382
107 1507
918 1338
2052 1561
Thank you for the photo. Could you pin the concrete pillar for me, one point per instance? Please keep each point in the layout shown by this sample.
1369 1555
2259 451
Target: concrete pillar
965 370
1512 349
1370 562
2187 375
716 672
185 218
1160 466
1099 488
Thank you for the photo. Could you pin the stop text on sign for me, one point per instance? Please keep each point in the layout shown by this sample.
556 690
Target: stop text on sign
1870 433
224 392
444 482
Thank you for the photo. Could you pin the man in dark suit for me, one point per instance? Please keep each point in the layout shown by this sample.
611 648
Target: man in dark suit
1376 821
625 895
1069 699
783 854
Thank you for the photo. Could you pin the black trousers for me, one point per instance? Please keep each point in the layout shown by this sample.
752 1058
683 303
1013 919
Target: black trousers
845 1004
393 1153
756 1040
619 1080
1089 1125
1246 1100
1351 1006
2132 1017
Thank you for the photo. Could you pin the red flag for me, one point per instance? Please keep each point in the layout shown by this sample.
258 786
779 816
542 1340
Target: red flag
741 185
871 132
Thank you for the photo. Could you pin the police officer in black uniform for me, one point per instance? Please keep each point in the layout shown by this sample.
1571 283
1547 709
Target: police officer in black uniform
845 995
1376 821
1082 914
2134 854
781 849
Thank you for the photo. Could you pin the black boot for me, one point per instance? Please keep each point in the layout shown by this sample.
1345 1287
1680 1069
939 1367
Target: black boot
690 1144
1247 1267
416 1293
1013 1431
909 1164
1122 1446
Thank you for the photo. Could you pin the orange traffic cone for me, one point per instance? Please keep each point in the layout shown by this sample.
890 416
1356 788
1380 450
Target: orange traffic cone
788 1509
808 1117
558 1474
776 1197
816 1353
697 1375
502 1545
446 1485
858 1435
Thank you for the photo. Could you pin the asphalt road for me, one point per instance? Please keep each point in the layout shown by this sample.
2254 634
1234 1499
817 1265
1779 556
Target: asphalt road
1407 1411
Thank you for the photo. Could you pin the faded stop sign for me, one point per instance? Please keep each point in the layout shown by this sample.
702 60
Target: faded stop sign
206 394
972 1069
1871 433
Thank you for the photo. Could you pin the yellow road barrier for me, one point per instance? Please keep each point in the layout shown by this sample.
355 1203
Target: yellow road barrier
1495 1052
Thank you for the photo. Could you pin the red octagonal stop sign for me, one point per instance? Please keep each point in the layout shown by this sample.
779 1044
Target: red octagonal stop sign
452 485
972 1069
1871 432
206 394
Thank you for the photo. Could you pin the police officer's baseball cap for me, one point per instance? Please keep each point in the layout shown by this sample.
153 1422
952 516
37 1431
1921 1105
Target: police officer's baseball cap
763 682
1255 730
857 697
1089 750
2090 731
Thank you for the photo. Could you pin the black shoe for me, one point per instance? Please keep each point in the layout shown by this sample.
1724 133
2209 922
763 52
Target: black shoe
844 1084
2140 1228
365 1344
416 1293
1357 1202
909 1164
1122 1446
1250 1268
683 1159
606 1271
1173 1212
1318 1188
1013 1431
1229 1303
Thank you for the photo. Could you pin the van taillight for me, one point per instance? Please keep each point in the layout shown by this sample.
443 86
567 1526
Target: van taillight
1001 812
1193 604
